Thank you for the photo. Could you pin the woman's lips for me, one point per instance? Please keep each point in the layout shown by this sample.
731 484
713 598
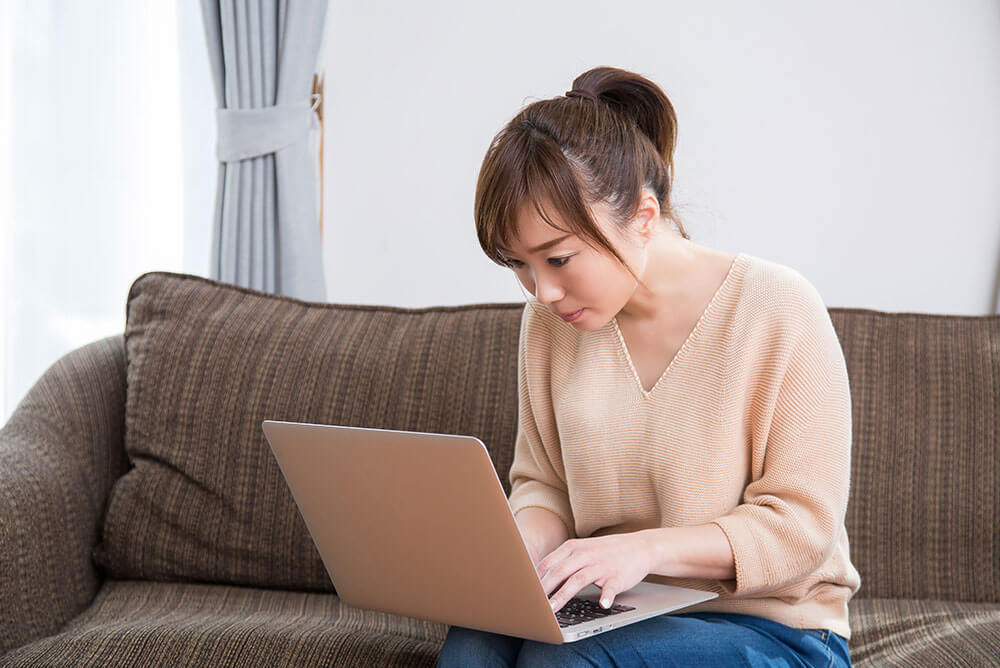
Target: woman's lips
572 316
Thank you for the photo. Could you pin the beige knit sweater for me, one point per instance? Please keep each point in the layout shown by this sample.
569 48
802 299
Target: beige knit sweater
749 427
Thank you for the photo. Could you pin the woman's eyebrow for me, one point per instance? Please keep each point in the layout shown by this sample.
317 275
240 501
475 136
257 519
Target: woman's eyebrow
540 247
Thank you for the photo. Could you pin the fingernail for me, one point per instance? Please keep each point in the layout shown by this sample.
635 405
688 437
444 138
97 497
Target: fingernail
605 602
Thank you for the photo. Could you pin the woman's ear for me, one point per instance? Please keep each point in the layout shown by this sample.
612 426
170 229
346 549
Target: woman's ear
647 217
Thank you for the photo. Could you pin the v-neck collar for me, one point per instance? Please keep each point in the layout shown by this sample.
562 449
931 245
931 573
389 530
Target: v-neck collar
692 335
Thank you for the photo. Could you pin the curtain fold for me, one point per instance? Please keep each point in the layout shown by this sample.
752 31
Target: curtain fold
266 231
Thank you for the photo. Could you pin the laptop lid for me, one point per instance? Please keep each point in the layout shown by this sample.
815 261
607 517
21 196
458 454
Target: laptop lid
417 524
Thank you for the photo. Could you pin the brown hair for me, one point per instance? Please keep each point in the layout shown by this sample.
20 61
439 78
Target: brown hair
574 151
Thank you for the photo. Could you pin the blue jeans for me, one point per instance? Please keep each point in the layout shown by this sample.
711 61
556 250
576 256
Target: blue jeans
679 639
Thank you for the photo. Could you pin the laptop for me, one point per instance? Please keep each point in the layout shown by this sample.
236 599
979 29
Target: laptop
417 524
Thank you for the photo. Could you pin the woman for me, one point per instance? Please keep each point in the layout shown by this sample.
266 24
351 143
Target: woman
684 414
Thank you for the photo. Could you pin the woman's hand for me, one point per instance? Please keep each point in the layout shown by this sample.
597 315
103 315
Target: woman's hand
615 563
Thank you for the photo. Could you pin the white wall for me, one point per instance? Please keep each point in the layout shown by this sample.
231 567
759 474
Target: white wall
854 141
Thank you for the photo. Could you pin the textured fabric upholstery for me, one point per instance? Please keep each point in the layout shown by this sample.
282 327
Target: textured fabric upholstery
205 500
924 514
60 452
923 632
188 624
138 623
178 464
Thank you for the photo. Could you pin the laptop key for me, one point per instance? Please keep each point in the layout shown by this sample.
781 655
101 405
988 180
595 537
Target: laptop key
578 610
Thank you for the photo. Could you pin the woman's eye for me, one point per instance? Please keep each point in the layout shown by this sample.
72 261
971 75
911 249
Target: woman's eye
555 261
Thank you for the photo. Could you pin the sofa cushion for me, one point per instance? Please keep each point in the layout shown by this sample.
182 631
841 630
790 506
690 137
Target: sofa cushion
924 511
207 362
152 623
176 624
923 632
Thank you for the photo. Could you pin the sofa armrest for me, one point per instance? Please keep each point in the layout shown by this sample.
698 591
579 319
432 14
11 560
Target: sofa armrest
60 452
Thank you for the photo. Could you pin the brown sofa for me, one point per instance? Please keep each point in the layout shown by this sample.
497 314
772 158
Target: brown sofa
143 519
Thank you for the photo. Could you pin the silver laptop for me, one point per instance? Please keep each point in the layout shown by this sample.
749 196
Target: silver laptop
417 524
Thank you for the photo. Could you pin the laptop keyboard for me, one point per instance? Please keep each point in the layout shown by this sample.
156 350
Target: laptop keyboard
578 610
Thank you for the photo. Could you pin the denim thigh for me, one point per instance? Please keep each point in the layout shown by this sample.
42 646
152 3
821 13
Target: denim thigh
680 639
472 647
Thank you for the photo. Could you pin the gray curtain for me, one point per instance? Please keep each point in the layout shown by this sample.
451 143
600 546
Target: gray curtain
266 226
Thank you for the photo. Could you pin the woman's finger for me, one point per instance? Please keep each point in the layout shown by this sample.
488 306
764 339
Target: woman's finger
559 572
571 588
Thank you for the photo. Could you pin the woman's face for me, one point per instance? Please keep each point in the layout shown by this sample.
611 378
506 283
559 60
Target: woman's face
570 275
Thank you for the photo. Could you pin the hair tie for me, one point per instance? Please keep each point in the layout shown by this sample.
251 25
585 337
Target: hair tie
581 93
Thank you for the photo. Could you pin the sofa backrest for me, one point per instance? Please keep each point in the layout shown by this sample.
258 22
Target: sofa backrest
924 513
207 362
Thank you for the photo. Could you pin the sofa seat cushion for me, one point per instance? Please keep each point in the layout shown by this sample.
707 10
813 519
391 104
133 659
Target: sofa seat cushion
923 632
166 623
133 622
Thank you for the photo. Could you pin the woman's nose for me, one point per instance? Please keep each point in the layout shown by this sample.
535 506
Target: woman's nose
547 291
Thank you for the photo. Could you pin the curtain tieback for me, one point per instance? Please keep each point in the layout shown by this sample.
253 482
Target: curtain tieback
248 133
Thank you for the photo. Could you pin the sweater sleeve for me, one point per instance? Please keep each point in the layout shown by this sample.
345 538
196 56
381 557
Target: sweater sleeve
789 522
537 475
